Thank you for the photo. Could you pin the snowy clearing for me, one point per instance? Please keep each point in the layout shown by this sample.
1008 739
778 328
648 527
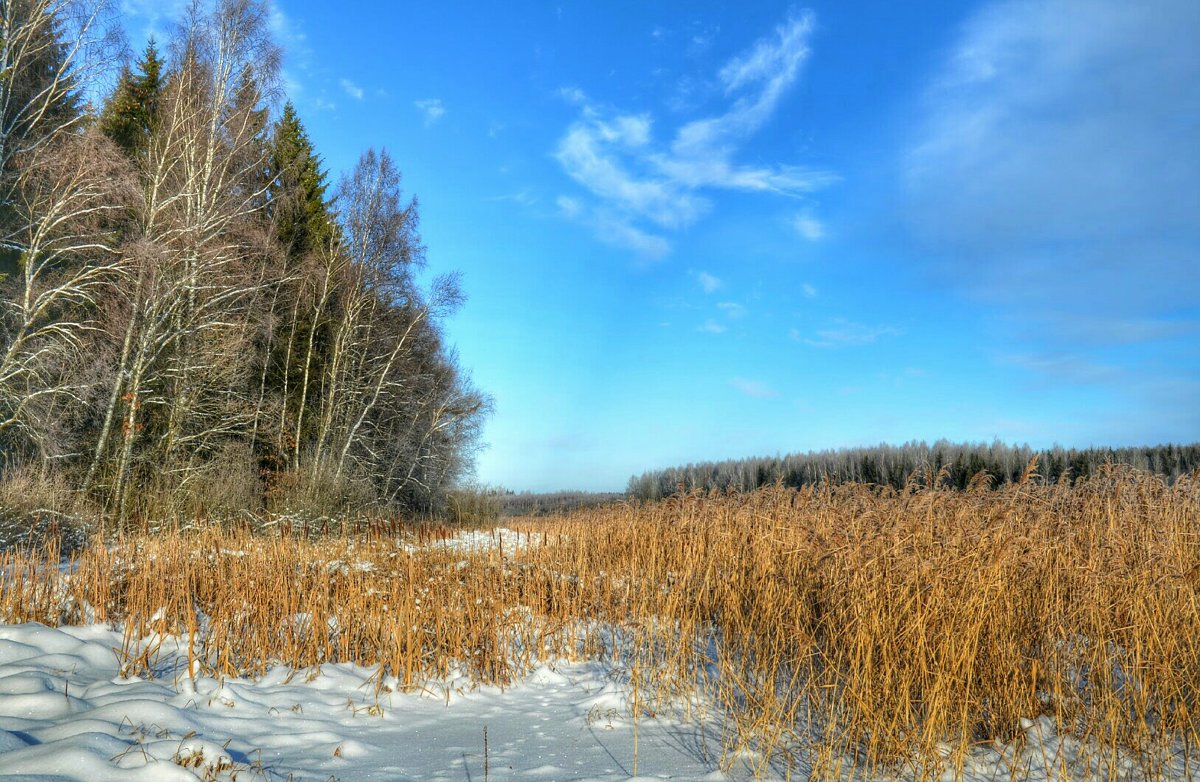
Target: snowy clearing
66 715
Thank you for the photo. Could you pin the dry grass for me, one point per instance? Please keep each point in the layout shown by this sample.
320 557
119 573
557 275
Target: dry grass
855 630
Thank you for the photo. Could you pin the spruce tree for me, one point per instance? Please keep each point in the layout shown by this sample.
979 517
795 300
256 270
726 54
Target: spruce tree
302 224
299 207
38 98
131 114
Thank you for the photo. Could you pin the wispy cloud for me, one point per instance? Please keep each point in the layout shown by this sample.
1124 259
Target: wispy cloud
1053 178
1065 367
432 109
283 28
613 230
710 283
155 17
297 72
842 333
756 389
808 226
712 327
524 197
662 187
1053 170
573 95
732 309
352 89
568 207
809 291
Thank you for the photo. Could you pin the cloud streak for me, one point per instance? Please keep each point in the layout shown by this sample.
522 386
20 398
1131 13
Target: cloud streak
755 389
352 89
1055 163
432 109
654 188
709 282
842 333
1053 177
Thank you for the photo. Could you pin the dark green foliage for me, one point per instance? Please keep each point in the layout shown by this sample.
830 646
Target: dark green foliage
35 107
299 206
895 466
298 212
38 98
131 114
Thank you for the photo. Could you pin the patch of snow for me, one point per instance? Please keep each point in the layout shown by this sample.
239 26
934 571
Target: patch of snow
66 714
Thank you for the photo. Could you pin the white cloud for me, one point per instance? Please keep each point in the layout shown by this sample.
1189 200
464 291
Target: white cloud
732 309
708 282
755 389
808 227
352 89
809 291
615 231
660 188
283 28
568 207
432 108
155 18
524 197
1052 177
572 95
1065 367
586 155
712 327
1053 167
297 51
842 333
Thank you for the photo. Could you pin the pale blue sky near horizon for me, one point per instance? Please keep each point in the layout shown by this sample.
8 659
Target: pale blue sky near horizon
697 231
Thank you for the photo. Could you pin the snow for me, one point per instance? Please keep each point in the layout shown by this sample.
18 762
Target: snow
475 541
65 714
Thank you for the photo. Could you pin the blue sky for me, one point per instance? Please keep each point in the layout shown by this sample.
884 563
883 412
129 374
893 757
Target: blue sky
704 230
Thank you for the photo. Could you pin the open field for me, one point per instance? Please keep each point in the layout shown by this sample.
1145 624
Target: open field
1029 631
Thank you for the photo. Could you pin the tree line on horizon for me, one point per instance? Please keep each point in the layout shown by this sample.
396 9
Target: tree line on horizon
896 466
192 319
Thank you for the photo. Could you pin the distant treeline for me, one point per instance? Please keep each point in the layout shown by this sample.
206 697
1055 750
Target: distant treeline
530 504
894 465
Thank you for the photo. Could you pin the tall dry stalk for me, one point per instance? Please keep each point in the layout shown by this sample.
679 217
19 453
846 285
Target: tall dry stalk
844 629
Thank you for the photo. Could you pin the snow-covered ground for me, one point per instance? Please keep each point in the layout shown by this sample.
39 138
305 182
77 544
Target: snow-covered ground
66 715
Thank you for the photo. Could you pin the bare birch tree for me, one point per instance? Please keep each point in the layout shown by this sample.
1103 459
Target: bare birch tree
51 53
180 390
71 200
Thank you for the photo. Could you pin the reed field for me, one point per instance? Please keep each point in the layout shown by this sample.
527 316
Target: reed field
834 631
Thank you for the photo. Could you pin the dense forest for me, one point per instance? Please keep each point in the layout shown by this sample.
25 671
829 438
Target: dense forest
553 503
193 319
952 464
